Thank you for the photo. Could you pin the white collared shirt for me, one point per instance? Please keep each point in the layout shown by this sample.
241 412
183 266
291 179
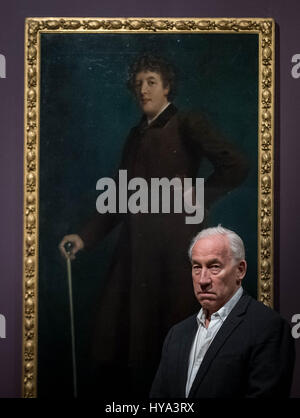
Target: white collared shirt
205 336
156 116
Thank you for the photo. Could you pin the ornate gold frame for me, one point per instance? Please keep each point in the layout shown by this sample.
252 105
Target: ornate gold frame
33 28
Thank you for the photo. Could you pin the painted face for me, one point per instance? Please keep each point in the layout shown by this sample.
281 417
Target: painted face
216 275
150 92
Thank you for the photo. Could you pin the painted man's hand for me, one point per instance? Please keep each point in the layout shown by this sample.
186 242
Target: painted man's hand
77 245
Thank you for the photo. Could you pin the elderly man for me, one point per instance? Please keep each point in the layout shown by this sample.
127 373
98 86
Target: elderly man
235 346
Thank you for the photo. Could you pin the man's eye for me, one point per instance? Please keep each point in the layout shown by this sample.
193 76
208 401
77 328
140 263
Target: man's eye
215 268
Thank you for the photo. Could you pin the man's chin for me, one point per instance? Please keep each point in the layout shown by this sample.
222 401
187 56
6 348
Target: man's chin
147 110
207 302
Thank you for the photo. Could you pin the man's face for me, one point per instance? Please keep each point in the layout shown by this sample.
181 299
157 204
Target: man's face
150 92
216 275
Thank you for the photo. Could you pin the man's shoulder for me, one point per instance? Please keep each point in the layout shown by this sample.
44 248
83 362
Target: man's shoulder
186 324
195 122
263 315
260 307
191 116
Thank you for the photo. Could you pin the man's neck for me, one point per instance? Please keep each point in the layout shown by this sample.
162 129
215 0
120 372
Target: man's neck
207 319
208 314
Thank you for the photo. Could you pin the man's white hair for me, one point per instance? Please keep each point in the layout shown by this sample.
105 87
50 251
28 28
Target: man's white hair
235 242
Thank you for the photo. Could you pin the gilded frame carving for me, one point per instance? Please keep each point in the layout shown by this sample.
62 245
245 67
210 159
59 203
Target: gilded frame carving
34 27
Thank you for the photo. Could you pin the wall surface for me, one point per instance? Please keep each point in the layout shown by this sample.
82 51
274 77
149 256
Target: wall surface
287 197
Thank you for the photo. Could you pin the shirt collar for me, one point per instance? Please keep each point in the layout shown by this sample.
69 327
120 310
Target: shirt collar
160 121
224 311
149 121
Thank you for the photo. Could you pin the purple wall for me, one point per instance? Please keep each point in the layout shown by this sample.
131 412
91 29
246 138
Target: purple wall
12 15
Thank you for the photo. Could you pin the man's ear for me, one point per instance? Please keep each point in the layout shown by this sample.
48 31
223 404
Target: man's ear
167 89
241 269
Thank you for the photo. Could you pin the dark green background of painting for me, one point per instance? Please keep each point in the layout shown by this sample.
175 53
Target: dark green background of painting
86 114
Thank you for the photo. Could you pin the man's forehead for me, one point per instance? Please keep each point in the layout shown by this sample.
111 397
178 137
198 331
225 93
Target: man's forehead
212 246
145 74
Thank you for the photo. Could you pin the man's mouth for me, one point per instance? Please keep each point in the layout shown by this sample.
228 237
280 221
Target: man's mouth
145 101
206 294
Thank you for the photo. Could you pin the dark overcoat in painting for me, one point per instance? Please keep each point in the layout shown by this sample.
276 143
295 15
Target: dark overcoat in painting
149 287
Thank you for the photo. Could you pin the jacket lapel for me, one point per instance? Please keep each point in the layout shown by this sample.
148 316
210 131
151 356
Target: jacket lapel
185 350
235 317
159 122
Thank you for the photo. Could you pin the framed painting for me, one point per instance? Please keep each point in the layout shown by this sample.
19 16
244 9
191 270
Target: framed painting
111 106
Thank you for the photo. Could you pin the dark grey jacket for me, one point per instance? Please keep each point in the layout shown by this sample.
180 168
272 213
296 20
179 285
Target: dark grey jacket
252 355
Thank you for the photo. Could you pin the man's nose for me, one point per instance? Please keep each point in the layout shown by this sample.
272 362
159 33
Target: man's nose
144 88
204 279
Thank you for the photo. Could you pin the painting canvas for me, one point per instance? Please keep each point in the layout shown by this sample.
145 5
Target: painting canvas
83 123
